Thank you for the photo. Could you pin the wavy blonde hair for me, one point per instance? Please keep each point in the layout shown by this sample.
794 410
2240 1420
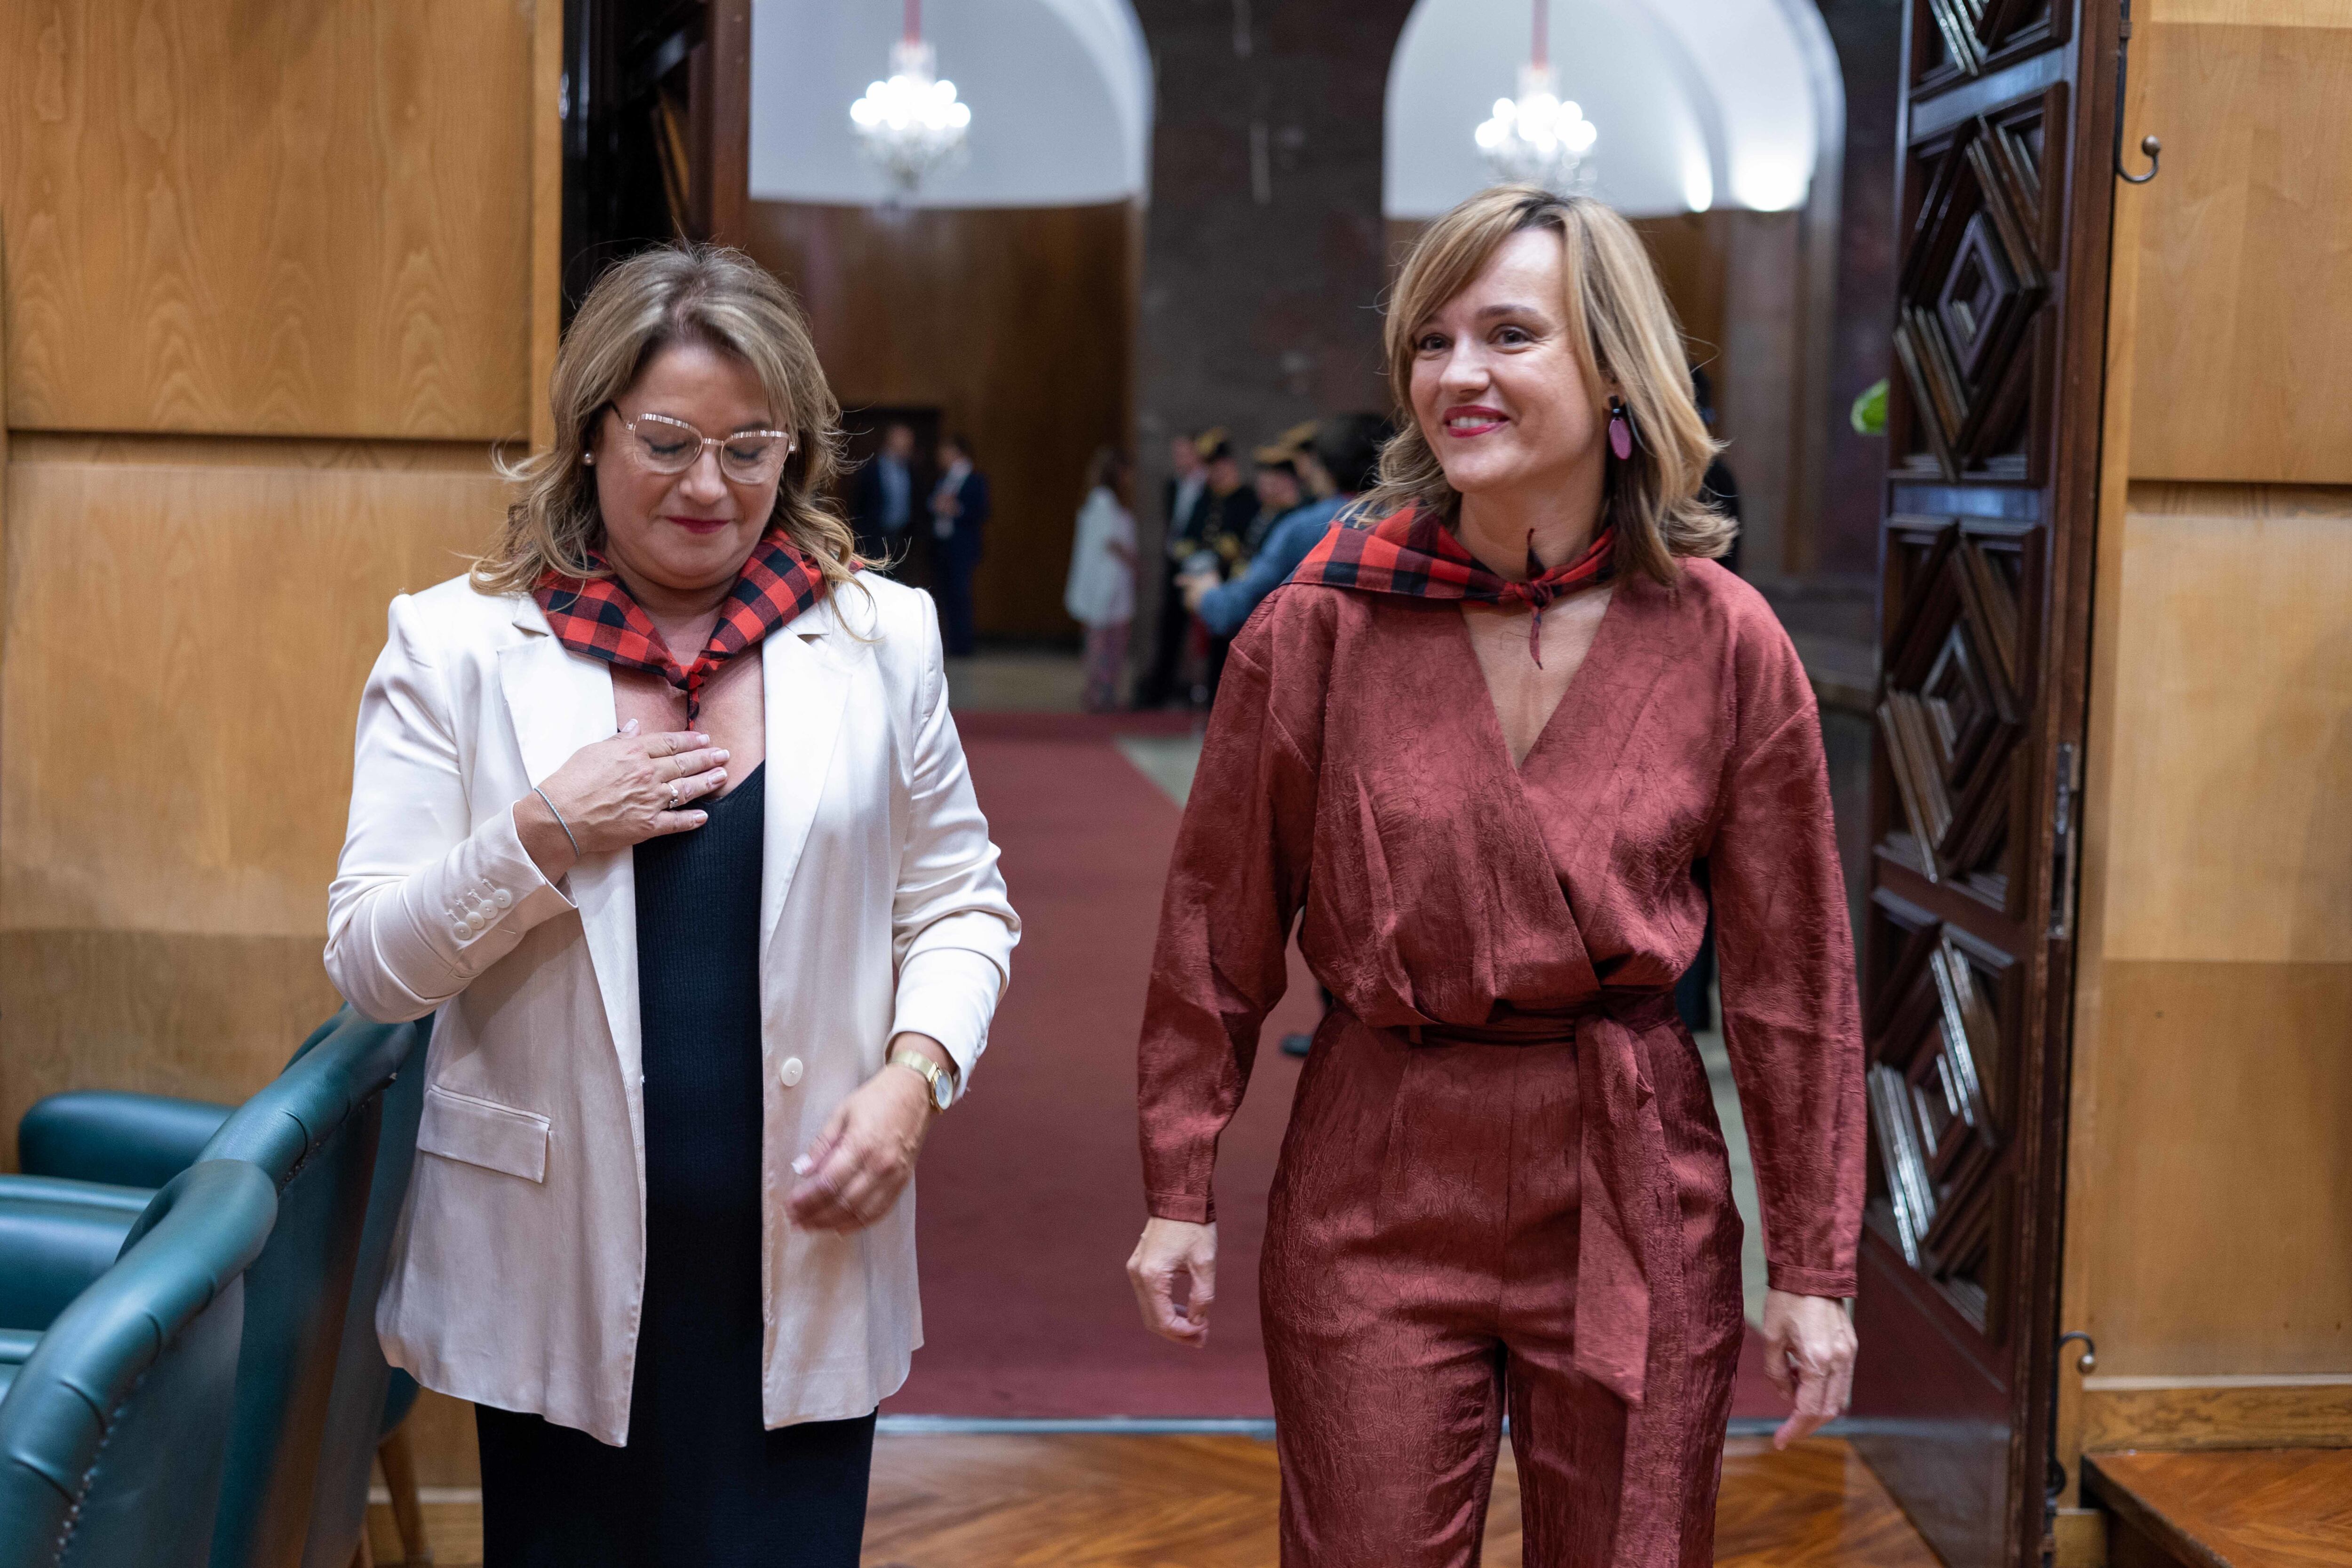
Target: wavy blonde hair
1628 342
671 294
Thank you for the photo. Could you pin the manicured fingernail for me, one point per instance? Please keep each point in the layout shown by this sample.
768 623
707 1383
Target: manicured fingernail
801 1167
726 756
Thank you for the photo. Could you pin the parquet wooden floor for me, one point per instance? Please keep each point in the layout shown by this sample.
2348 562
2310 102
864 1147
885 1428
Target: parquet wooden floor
2263 1507
1114 1501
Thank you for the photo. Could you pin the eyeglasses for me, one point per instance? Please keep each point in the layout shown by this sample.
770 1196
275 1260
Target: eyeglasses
668 446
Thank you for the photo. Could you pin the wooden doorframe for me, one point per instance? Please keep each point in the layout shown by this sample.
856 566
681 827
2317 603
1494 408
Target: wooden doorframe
2055 497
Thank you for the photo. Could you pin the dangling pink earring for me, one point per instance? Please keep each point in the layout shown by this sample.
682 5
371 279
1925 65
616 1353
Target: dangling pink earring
1620 428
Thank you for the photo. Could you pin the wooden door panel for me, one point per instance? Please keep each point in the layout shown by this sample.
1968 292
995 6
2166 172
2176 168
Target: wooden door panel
1938 1434
1993 415
1957 39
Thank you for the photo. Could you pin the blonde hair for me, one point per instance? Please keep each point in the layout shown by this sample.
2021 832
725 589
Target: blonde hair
673 294
1627 341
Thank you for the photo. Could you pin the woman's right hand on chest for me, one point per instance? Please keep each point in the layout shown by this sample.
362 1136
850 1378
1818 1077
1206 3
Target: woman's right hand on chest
618 793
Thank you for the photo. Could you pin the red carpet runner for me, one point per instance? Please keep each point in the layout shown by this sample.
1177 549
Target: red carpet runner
1031 1192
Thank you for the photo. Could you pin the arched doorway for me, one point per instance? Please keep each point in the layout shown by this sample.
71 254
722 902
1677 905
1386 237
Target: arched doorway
998 300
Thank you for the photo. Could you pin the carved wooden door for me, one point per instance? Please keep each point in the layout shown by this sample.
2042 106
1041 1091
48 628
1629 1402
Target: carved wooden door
2006 187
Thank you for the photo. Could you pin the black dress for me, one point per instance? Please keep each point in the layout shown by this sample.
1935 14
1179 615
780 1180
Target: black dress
700 1483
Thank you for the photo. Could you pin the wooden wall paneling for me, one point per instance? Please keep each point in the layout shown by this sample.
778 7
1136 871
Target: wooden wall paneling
2231 832
189 627
1015 322
309 218
2215 1413
2244 364
2209 1198
1692 254
2220 1239
547 110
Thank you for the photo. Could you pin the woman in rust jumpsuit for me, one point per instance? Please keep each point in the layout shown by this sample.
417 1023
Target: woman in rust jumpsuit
1480 740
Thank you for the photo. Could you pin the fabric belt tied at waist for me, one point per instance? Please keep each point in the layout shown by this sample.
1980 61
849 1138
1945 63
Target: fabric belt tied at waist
1630 1296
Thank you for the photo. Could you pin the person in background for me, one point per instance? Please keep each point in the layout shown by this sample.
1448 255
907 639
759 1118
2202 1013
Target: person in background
1339 459
885 503
959 516
1234 531
1186 487
1227 514
1100 596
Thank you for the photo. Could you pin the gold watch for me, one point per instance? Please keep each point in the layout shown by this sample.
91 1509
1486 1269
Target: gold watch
942 1081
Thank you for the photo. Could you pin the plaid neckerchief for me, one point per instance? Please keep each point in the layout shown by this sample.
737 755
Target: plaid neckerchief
596 616
1413 553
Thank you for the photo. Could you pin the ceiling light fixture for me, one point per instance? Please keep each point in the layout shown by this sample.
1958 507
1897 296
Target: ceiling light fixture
911 125
1538 139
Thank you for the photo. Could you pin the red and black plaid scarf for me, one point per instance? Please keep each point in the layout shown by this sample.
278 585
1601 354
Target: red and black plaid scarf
597 616
1412 553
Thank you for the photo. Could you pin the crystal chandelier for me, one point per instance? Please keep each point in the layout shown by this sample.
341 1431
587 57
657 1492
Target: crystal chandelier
911 125
1538 139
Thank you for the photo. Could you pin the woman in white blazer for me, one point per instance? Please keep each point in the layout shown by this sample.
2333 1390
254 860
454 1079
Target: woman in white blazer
709 945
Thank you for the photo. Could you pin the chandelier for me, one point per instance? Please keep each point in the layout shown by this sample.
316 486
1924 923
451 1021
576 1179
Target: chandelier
911 125
1538 139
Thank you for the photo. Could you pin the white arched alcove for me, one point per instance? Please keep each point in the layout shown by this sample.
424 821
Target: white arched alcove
1060 94
1700 103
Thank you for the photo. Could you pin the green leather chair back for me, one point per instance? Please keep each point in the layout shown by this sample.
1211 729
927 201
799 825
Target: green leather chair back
132 1140
122 1138
113 1435
361 1409
313 1133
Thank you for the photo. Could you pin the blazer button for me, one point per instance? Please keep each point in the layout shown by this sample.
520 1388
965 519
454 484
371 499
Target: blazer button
503 898
461 930
478 919
790 1072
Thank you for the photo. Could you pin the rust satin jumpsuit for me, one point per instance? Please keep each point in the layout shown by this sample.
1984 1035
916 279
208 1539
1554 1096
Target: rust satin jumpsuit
1504 1183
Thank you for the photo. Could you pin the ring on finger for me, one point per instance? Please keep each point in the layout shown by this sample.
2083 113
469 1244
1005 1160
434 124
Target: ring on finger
673 795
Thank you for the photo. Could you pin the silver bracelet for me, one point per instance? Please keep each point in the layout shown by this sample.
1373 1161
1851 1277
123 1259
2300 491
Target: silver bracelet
559 820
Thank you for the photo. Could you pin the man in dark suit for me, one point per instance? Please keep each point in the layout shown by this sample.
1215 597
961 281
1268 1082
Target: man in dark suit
958 513
1180 505
885 501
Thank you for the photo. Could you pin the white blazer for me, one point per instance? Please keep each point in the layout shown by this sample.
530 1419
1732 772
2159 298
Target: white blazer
518 1266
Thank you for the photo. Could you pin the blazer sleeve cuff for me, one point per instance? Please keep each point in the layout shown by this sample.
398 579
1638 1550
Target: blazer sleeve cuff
1832 1282
427 936
948 993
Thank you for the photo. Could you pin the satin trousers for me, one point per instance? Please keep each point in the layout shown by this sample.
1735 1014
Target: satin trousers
1419 1277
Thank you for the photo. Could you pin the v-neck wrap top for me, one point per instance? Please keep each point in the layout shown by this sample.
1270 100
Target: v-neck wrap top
1355 782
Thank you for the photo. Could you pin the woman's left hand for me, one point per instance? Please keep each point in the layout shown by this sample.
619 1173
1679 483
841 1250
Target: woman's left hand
1809 1349
866 1155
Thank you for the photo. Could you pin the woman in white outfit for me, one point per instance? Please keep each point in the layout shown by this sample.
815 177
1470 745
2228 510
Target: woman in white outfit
661 814
1101 592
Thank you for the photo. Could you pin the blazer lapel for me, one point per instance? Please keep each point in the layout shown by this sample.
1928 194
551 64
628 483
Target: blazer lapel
807 686
560 701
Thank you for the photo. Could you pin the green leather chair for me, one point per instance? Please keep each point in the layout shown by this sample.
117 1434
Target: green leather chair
114 1432
315 1132
124 1139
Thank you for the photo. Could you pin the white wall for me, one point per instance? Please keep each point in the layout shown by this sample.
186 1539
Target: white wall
1700 103
1060 94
